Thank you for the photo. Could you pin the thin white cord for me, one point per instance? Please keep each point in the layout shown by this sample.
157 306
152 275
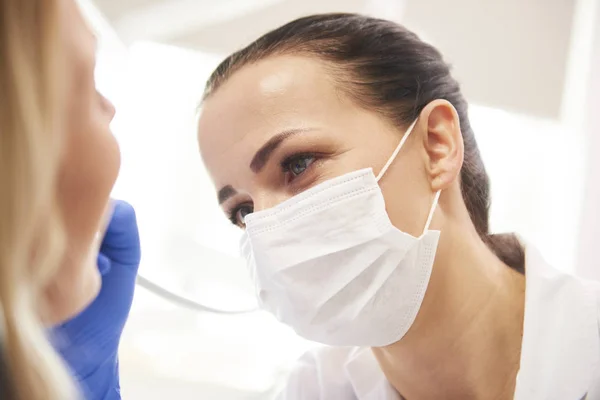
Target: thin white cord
432 211
395 153
182 301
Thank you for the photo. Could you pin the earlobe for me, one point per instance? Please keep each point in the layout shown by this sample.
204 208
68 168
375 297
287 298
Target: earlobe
443 144
439 183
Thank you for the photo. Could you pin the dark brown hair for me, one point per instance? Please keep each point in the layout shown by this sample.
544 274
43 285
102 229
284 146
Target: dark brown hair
384 67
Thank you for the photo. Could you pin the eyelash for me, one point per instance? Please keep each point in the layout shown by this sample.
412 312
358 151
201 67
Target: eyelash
286 169
234 212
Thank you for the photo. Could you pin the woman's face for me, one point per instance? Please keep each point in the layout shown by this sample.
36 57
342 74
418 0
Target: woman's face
90 165
280 126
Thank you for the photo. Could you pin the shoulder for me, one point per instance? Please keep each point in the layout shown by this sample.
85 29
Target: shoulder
592 287
320 374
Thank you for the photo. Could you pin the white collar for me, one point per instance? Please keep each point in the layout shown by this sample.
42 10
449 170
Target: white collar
367 378
561 340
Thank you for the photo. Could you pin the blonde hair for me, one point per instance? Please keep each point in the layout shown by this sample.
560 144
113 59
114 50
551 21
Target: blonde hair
32 239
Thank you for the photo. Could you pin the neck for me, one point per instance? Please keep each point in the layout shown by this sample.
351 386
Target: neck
466 340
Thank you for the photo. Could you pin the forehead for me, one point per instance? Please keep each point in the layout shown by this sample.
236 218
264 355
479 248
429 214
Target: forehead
262 99
270 88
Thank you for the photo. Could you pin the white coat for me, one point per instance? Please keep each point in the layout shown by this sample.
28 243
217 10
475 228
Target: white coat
560 353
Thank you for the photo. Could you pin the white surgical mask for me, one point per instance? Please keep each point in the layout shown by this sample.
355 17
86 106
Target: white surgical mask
330 264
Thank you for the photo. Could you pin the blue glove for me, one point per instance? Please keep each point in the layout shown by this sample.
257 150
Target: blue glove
89 342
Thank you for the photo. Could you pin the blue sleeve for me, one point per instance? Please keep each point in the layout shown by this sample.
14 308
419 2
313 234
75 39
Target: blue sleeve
91 350
91 355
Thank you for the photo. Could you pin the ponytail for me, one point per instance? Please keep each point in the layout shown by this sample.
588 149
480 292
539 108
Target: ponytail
508 249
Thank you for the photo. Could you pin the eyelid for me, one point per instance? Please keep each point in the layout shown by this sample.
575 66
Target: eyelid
230 212
288 159
309 144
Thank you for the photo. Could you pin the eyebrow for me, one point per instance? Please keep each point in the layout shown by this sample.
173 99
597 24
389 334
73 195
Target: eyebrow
261 158
225 193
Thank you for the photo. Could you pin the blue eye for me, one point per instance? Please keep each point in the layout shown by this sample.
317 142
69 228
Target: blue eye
297 164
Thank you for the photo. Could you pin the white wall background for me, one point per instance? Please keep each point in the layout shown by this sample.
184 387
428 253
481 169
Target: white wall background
587 246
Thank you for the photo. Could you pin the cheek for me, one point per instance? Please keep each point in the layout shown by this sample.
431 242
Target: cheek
88 172
91 157
404 185
408 197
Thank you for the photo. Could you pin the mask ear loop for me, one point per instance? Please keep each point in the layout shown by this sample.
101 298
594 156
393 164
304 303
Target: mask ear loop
432 211
395 153
391 160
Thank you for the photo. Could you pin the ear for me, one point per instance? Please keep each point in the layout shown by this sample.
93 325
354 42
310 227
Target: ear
443 143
